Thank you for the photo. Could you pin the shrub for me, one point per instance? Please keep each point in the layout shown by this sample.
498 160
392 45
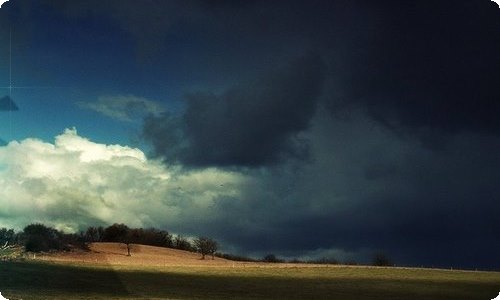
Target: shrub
38 237
381 260
271 258
36 243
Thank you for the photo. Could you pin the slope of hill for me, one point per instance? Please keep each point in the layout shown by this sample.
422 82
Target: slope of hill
141 255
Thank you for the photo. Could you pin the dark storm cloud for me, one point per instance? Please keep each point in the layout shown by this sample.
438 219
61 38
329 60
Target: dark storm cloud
426 65
427 71
428 68
427 209
252 124
6 104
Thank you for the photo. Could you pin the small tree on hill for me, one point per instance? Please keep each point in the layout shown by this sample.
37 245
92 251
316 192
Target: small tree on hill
271 258
205 246
128 249
115 233
381 260
93 234
212 247
119 233
182 244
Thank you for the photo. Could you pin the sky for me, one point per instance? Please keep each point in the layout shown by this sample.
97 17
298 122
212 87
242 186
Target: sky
305 129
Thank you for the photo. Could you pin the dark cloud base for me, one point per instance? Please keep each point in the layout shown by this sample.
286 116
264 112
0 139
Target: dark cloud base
412 89
252 124
426 66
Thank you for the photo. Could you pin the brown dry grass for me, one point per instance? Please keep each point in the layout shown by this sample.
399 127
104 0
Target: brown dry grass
106 272
141 255
115 254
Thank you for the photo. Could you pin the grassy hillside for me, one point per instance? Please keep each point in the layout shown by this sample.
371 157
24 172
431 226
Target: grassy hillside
141 255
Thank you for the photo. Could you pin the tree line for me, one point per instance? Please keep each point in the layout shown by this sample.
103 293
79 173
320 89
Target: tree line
378 259
38 237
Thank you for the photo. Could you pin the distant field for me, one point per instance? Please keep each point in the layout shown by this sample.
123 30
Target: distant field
81 279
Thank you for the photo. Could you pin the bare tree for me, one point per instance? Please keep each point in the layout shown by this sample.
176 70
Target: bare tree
7 238
205 246
118 233
92 235
182 243
381 260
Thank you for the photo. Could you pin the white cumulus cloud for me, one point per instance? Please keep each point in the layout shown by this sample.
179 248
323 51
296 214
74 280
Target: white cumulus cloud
75 182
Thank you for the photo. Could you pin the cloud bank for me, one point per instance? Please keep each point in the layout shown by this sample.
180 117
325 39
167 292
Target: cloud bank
75 182
358 195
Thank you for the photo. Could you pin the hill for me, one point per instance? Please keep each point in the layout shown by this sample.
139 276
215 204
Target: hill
141 255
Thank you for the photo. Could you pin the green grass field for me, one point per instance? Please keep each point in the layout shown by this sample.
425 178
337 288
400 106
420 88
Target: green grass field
36 280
